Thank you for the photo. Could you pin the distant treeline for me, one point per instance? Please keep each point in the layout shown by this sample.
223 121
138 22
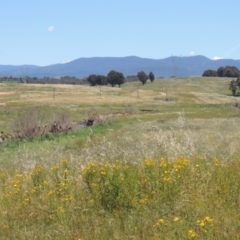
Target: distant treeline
228 71
45 80
61 80
113 78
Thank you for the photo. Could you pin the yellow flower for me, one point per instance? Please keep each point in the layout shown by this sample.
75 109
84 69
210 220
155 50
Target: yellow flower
54 167
203 222
176 219
166 179
208 219
102 171
159 222
51 192
200 223
191 233
143 200
149 162
216 161
163 163
64 161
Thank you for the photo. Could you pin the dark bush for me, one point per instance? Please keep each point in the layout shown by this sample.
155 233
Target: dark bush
151 77
228 71
143 77
210 73
115 78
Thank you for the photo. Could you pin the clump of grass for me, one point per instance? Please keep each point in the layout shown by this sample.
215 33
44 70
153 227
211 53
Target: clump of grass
153 199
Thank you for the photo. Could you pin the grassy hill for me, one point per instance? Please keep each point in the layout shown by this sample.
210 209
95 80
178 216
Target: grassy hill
161 162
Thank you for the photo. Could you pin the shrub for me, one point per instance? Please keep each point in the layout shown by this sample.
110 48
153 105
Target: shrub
210 73
143 77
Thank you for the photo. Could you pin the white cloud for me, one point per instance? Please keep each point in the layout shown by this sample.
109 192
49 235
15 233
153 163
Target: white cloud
51 28
192 53
216 58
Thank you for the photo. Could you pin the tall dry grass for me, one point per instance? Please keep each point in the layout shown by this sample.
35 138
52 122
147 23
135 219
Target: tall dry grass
171 139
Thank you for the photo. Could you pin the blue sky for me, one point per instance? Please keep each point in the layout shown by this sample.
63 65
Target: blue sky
57 31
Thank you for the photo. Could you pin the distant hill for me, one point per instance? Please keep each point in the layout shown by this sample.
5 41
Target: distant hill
83 67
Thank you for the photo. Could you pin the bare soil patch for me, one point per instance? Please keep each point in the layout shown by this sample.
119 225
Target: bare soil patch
7 93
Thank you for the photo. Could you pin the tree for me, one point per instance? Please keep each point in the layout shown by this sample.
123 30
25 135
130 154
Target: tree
231 71
115 78
210 73
233 87
220 71
101 80
235 70
92 79
228 71
97 80
143 77
151 77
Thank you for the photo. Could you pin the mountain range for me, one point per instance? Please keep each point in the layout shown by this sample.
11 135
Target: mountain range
83 67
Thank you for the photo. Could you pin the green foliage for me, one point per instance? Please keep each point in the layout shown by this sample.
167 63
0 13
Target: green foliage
97 80
228 71
234 85
115 78
143 77
92 79
210 73
151 77
101 80
220 72
114 187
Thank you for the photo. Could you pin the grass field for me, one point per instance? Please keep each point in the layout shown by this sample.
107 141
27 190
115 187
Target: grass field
162 163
